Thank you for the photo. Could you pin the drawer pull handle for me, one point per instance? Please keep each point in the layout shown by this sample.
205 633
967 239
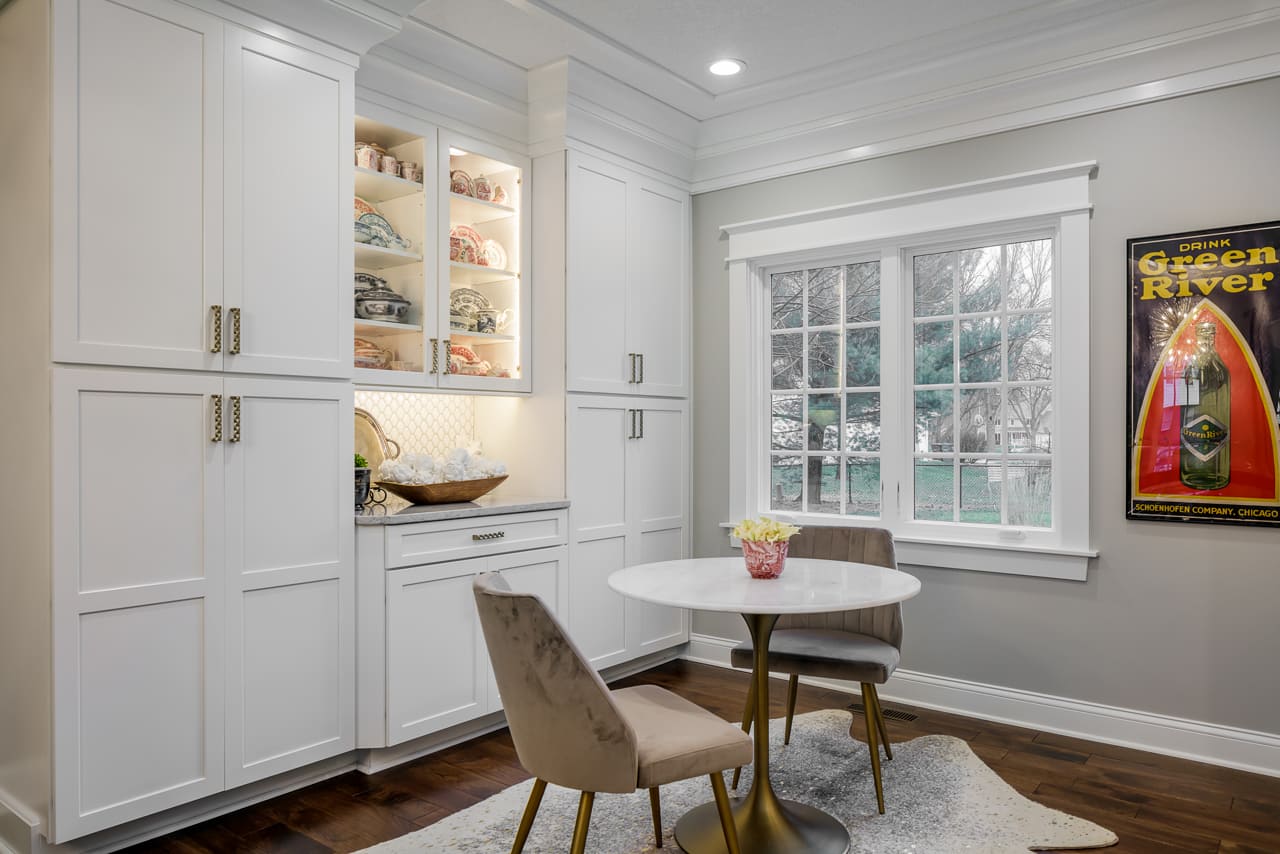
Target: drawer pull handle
215 312
235 335
491 535
217 418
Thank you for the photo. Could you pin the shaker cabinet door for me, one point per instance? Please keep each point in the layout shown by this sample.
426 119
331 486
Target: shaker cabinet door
597 350
598 431
137 184
659 487
658 288
290 575
437 665
288 209
138 596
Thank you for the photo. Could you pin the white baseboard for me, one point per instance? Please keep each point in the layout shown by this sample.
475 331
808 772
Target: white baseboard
1247 750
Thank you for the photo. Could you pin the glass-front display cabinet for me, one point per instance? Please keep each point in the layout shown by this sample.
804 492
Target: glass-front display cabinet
441 228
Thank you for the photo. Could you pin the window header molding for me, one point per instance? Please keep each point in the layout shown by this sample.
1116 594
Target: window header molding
1025 196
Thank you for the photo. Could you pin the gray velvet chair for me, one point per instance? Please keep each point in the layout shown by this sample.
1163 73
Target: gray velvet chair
858 646
571 730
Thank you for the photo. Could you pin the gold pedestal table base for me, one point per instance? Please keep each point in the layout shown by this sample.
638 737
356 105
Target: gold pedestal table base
766 824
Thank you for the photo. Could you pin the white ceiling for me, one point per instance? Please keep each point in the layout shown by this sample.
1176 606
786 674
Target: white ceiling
791 47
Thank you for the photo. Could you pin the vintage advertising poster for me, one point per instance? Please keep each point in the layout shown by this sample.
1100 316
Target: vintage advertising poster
1204 376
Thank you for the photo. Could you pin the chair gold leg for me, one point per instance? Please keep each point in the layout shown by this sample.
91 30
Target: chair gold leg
584 821
792 685
747 715
880 724
869 705
530 811
726 815
655 804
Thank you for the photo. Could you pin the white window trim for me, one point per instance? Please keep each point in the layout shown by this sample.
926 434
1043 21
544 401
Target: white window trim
1055 200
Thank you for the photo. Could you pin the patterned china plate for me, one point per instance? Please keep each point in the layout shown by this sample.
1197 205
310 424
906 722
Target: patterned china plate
467 302
493 255
362 207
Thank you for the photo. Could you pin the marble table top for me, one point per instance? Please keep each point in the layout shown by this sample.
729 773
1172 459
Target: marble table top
806 586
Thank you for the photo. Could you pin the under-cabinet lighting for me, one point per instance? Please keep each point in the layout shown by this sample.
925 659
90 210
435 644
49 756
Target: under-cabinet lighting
726 67
457 152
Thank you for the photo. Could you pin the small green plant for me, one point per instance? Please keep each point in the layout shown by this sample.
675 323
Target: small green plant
361 462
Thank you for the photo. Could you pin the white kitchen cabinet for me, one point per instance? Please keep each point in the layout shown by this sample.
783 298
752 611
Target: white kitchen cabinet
288 250
439 343
200 204
628 282
194 601
422 658
627 476
289 576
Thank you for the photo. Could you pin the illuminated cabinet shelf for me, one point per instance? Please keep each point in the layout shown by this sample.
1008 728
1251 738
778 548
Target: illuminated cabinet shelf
464 270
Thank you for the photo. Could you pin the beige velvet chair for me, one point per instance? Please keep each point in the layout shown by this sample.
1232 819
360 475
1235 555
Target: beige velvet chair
858 646
571 730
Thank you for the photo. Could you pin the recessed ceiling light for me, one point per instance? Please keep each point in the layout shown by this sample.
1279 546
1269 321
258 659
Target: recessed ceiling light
456 152
726 67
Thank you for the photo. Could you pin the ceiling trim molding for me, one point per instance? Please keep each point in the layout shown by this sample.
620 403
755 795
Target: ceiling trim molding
1008 104
352 26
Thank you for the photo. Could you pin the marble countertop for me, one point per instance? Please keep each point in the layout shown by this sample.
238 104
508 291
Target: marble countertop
399 512
806 586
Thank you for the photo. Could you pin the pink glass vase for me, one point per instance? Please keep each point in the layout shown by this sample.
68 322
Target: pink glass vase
765 559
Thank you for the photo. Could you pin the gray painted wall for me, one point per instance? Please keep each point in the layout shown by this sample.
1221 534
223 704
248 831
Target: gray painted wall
1178 619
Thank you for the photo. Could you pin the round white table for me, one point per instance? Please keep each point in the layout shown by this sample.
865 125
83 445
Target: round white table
766 824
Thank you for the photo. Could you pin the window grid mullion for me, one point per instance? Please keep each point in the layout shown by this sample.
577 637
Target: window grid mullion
1005 275
841 367
956 471
804 391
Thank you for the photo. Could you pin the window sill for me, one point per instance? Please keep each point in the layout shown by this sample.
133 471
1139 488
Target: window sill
1008 559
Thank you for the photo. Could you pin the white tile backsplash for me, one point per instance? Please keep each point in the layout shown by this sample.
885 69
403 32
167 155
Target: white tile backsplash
423 423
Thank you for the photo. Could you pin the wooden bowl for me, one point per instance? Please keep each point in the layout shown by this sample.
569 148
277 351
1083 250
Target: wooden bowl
449 492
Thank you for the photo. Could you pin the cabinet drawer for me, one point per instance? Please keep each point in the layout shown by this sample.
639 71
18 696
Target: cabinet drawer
454 539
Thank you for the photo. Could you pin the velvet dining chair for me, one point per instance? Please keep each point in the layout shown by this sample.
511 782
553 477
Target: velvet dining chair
571 730
860 646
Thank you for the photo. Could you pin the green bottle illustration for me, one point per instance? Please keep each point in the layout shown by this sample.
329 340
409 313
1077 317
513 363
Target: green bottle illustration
1205 457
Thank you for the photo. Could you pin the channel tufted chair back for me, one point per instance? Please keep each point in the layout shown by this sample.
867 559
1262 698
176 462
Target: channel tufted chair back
859 545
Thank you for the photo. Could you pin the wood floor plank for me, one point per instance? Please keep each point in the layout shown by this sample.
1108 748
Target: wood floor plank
1156 804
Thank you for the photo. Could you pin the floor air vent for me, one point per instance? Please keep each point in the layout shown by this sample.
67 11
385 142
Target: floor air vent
889 714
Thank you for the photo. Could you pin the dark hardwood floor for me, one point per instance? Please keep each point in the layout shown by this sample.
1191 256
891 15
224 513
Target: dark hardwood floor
1154 803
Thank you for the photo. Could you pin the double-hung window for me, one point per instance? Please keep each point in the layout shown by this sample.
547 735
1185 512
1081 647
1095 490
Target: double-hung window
922 366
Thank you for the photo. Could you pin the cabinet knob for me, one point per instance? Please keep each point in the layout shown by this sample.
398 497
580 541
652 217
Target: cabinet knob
489 535
215 311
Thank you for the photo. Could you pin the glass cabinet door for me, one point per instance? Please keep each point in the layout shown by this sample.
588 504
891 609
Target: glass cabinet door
483 299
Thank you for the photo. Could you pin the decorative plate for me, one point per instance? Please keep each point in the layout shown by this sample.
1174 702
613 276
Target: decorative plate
380 226
363 207
493 255
467 302
468 233
366 233
460 183
483 189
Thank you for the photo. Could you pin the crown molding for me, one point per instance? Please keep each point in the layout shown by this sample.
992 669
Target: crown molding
353 26
853 110
747 147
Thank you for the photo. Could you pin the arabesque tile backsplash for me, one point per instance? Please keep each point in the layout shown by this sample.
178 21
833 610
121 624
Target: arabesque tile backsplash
424 423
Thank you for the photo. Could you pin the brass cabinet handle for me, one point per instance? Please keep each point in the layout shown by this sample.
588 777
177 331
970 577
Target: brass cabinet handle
491 535
235 419
448 365
641 355
217 418
435 355
235 334
641 436
216 312
632 434
633 367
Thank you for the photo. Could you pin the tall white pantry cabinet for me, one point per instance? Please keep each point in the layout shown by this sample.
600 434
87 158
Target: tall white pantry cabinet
627 296
201 544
